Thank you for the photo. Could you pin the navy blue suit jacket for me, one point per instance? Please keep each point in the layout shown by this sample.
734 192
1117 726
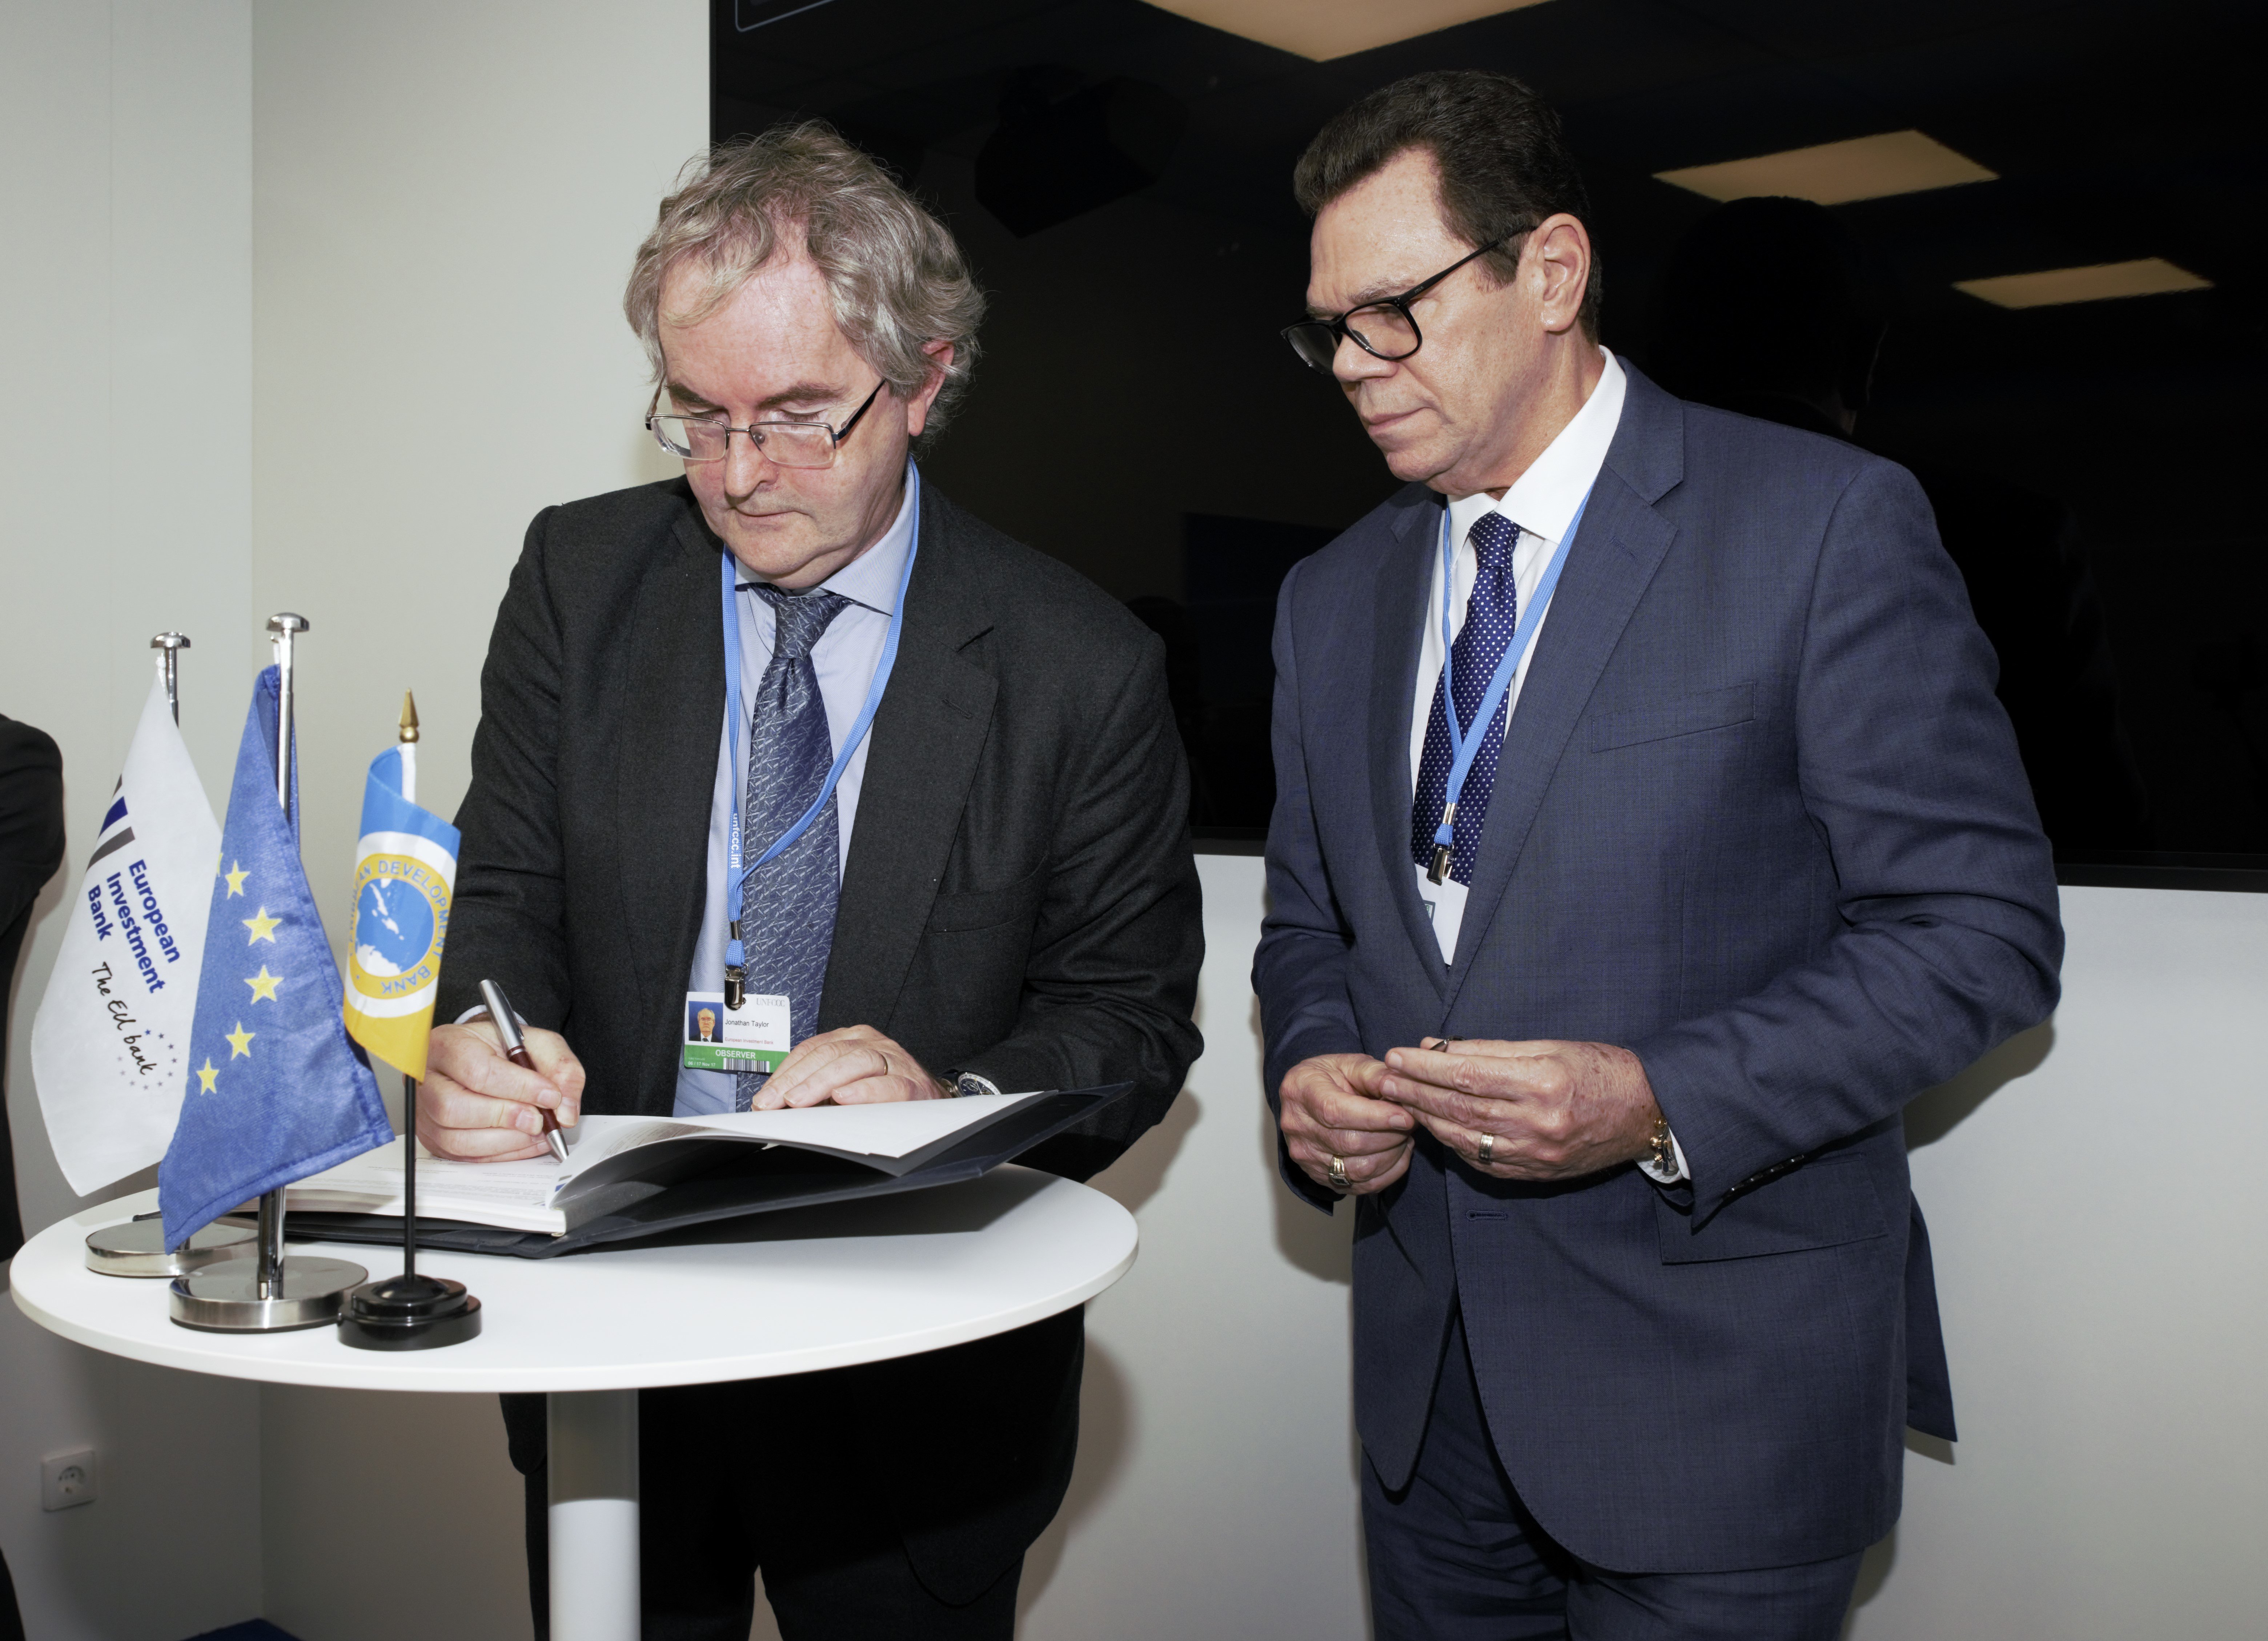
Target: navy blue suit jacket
1760 819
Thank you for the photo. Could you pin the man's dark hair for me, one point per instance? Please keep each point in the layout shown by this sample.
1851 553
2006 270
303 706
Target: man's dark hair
1503 158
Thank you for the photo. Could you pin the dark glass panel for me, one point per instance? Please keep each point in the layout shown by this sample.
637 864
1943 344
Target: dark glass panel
2091 462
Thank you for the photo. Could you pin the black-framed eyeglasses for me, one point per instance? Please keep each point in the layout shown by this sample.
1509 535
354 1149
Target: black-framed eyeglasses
1385 329
788 443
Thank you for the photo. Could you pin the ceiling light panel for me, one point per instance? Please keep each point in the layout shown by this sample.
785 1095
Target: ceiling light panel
1836 174
1320 29
2146 276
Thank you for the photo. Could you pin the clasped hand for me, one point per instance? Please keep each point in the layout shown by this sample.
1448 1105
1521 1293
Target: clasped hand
1555 1110
476 1105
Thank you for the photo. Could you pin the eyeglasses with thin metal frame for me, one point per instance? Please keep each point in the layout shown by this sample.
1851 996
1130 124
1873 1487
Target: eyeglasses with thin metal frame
788 443
1391 323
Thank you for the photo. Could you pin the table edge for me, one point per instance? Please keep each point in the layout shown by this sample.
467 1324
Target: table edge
438 1378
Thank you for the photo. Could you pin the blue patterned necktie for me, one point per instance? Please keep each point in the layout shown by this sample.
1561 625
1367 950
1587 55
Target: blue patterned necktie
787 906
1489 617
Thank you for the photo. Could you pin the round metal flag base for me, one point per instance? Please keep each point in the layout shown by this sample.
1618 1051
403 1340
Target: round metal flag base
225 1297
409 1314
137 1248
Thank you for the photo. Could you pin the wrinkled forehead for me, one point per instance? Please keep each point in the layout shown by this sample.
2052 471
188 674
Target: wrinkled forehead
1380 237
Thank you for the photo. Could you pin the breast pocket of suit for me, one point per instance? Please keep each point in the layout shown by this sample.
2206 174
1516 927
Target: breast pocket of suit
966 911
1676 719
1827 1202
968 973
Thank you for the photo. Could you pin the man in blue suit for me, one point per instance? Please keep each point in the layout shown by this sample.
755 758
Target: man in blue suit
1603 997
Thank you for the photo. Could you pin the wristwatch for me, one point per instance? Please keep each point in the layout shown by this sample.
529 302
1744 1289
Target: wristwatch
963 1084
1665 1153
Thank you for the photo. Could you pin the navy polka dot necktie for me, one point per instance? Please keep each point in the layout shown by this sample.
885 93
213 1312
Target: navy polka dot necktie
1490 615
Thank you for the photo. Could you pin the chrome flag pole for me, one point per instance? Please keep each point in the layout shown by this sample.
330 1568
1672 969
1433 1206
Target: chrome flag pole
263 1294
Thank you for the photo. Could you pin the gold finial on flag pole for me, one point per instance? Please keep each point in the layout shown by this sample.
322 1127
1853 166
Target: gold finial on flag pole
408 746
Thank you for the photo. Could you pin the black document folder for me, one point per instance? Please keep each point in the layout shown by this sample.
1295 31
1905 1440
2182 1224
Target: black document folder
730 1180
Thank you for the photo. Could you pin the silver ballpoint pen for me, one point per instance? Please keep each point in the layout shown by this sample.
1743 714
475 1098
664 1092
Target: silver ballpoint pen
515 1050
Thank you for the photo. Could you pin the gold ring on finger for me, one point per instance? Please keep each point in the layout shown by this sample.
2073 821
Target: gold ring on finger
1486 1150
1338 1172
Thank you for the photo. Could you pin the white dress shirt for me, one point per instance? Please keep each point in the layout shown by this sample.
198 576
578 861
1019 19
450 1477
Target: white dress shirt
844 657
1542 502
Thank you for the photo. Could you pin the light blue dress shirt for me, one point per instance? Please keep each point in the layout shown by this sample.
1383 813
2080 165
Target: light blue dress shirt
844 657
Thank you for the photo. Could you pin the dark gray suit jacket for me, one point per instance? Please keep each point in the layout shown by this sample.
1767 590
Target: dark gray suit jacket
1020 898
31 852
1760 819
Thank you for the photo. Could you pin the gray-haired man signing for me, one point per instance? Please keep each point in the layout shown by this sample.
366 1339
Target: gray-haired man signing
993 890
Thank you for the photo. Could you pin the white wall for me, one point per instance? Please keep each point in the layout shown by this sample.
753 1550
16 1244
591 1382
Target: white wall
2093 1191
125 410
125 507
446 199
1215 1492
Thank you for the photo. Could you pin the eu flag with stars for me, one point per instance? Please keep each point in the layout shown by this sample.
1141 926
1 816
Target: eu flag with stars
276 1090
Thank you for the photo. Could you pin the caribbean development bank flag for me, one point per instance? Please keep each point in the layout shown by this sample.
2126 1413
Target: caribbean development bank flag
402 885
111 1042
275 1091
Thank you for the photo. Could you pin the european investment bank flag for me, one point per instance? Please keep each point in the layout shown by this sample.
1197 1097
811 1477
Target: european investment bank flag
110 1046
403 882
275 1091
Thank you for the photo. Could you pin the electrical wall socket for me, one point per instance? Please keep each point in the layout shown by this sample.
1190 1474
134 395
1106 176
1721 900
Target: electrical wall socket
67 1479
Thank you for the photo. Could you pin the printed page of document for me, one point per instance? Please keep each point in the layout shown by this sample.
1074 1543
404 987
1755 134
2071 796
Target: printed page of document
893 1130
517 1196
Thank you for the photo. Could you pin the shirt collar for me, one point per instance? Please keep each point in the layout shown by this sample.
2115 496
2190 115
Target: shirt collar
1543 500
871 578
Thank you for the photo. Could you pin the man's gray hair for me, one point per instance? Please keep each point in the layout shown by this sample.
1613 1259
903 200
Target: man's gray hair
895 277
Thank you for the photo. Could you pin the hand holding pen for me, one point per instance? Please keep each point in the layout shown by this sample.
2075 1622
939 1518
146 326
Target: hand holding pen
515 1050
481 1103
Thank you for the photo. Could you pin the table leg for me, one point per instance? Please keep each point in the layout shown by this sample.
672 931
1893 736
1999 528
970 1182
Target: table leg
594 1515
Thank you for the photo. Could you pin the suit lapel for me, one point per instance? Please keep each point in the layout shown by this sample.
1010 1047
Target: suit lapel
1404 576
1620 545
927 738
665 774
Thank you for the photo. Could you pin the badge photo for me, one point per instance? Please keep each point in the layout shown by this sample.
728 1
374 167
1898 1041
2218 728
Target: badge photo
751 1038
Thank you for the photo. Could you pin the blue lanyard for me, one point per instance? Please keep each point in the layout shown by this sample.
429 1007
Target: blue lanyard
1465 745
735 872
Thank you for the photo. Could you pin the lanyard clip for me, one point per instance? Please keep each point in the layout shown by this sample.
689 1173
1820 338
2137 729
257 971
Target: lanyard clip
735 987
1443 837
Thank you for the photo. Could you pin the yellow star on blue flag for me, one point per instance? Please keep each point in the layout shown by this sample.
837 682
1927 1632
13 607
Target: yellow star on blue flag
294 1097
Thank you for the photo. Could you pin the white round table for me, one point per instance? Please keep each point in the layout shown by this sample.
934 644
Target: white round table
790 1293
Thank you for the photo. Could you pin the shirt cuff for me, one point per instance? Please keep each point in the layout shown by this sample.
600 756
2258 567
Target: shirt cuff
1676 1172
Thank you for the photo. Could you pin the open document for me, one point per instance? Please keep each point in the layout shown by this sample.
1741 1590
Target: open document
620 1171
